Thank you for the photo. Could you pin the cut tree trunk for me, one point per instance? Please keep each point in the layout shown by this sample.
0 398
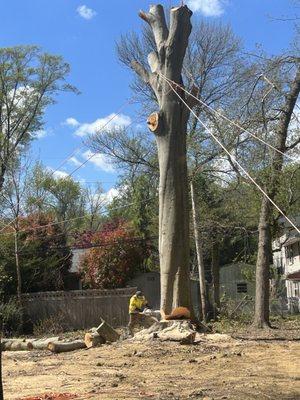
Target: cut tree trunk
61 347
107 332
199 251
42 344
93 339
16 345
170 128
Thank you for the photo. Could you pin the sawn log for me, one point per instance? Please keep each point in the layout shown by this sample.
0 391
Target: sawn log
60 347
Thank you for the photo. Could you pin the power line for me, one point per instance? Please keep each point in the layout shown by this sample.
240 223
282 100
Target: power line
231 157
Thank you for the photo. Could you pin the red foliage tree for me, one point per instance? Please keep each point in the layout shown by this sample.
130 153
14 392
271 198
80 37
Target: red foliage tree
114 258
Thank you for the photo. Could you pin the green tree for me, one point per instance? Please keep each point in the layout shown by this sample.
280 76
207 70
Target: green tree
29 81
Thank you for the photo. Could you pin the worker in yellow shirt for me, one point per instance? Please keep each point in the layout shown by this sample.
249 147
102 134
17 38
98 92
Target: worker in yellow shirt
137 304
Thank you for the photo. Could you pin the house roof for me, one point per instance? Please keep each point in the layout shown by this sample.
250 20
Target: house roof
294 276
293 239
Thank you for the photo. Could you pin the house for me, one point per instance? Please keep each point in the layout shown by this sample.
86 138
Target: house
286 258
235 282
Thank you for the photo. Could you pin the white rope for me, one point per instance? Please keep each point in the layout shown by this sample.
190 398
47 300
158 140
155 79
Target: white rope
231 157
228 119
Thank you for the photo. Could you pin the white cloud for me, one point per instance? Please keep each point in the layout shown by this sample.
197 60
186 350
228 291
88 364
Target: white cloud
57 174
75 161
209 8
110 195
109 122
71 122
85 12
99 160
39 134
60 174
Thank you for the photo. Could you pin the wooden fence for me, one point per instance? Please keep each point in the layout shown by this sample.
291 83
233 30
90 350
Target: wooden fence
79 309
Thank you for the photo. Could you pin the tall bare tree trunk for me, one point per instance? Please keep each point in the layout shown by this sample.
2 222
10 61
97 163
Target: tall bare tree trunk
215 269
169 125
18 270
199 251
261 313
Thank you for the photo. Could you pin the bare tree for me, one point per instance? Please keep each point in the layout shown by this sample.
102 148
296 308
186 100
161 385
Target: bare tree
94 204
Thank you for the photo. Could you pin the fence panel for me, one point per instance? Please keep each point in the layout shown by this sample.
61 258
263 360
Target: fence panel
80 309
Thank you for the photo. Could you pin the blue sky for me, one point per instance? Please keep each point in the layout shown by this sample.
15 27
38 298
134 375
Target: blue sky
84 33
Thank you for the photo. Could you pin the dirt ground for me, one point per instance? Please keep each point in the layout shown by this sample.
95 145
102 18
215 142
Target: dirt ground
217 367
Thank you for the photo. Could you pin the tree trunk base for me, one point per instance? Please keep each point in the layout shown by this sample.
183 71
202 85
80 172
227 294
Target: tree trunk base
177 331
261 325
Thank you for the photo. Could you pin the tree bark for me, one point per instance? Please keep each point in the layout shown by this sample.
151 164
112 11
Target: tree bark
199 251
261 314
215 269
170 134
262 295
16 345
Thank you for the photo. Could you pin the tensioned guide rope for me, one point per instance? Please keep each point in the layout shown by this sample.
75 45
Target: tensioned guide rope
226 118
229 154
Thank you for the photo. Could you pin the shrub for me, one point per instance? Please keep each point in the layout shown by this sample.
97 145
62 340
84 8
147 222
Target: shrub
11 317
114 260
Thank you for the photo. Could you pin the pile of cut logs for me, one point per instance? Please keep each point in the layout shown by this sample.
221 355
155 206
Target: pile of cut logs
104 333
174 327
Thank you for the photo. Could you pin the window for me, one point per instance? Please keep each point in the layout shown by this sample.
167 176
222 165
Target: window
290 254
241 288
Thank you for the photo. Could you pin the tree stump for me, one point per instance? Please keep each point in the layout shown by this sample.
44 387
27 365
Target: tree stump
178 331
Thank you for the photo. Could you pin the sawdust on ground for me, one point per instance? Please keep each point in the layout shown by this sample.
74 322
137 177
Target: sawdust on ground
217 367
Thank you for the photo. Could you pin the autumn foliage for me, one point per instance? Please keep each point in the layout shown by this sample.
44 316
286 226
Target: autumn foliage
116 254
